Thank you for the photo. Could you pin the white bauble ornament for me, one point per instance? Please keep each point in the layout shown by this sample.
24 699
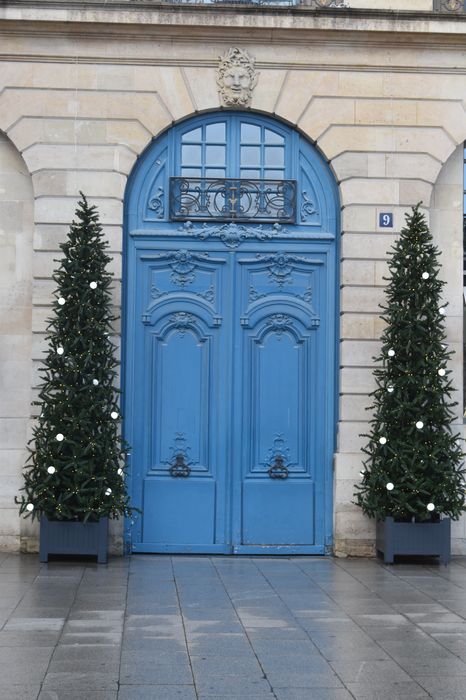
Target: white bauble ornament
419 424
362 473
61 301
30 507
442 311
114 415
390 389
430 506
425 275
382 440
59 437
95 382
60 350
441 372
108 491
391 352
51 470
120 472
93 285
390 486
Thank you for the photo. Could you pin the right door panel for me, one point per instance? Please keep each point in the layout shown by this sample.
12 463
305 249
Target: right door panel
278 419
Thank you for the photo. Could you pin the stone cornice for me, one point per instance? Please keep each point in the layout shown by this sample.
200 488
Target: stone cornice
299 19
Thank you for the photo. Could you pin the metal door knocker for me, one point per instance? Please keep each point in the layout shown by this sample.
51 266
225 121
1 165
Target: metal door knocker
180 468
278 469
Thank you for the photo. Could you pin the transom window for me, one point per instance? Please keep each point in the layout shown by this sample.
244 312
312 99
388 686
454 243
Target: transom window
235 168
254 152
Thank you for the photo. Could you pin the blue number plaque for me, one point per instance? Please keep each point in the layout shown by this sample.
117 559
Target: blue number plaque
386 220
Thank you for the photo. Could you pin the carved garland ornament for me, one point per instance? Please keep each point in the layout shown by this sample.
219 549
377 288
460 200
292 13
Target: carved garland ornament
236 78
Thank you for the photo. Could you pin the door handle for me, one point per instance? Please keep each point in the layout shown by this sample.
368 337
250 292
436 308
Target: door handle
180 469
278 469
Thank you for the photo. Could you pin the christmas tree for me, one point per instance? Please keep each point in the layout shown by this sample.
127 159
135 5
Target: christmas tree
76 466
414 461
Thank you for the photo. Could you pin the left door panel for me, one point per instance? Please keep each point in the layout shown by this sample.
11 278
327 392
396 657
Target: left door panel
182 403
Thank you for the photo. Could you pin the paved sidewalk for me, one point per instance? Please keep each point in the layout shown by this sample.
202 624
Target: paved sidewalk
214 628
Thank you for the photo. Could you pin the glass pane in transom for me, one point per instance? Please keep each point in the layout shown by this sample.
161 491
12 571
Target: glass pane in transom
250 133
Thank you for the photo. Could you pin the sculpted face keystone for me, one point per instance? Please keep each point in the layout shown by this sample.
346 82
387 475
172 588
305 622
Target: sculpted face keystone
236 78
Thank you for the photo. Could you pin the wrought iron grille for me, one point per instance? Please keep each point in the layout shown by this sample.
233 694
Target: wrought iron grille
455 6
284 3
209 199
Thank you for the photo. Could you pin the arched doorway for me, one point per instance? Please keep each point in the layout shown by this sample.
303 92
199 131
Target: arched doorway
231 313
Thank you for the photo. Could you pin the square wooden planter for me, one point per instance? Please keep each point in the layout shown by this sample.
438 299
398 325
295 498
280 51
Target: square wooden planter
427 539
70 537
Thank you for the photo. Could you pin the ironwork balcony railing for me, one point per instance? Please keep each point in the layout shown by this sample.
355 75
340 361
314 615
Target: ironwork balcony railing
274 3
209 199
453 6
457 7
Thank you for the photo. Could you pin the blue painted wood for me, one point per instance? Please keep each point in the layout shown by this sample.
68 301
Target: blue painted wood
230 349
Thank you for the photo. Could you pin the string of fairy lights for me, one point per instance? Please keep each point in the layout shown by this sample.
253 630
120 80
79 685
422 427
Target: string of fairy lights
60 437
382 440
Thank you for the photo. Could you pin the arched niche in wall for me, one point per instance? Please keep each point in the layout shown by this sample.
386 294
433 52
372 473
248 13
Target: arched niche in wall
16 231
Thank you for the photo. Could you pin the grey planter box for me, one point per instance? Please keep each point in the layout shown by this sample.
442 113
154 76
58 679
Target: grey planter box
427 539
69 537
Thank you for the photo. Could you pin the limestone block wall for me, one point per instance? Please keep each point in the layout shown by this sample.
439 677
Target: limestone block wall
81 104
446 221
16 229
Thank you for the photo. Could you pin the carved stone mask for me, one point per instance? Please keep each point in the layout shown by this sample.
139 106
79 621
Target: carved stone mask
236 78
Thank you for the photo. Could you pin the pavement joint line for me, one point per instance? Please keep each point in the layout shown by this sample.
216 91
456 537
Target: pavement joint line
21 599
298 623
63 628
375 641
243 627
128 572
184 627
417 588
351 597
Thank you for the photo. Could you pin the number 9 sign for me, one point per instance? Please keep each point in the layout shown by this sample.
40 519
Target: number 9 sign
386 220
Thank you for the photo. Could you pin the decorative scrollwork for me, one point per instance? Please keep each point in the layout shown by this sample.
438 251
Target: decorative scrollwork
232 234
331 3
183 263
156 293
278 458
307 207
232 199
282 265
179 459
307 296
182 268
157 203
182 321
208 295
279 323
254 295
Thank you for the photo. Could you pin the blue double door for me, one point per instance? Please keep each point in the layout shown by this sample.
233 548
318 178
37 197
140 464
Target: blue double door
229 352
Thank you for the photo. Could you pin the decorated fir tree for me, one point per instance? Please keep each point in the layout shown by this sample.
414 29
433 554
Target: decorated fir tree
76 465
414 461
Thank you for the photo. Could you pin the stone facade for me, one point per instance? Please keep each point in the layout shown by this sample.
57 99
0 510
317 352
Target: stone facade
85 88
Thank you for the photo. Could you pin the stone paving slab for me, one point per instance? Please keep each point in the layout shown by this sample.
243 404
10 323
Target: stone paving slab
224 628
